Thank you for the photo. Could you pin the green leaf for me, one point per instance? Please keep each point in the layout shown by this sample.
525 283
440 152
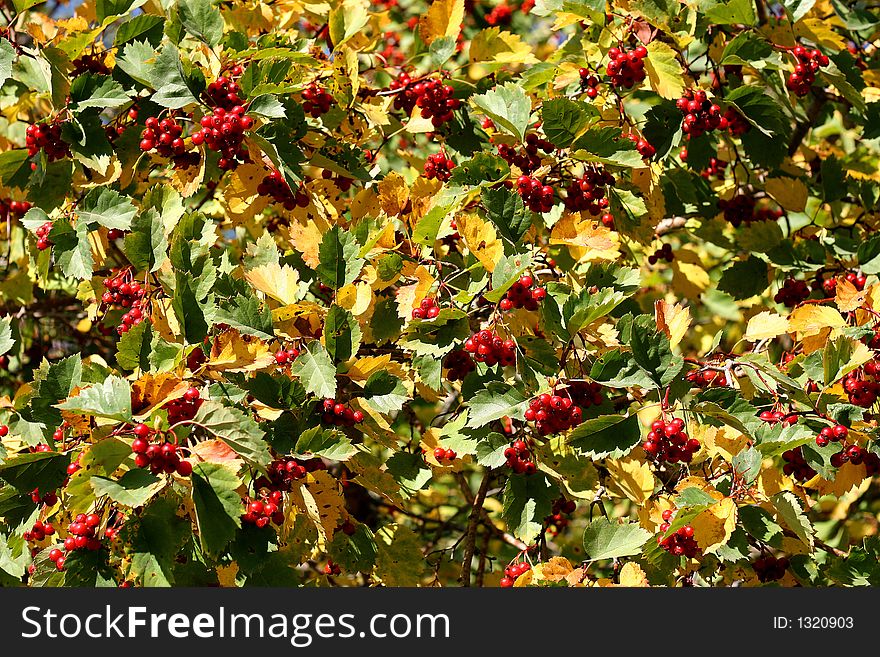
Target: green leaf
342 334
490 450
508 212
760 524
133 489
237 429
88 569
146 246
482 170
315 371
329 444
201 19
356 552
385 392
143 26
744 278
7 56
607 145
651 351
664 70
494 402
789 511
339 264
98 91
158 537
528 499
608 436
106 207
508 106
135 347
409 470
111 399
399 560
45 471
6 339
733 12
747 464
72 249
217 504
607 539
444 203
564 120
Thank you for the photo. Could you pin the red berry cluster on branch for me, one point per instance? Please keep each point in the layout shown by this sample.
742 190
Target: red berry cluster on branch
537 196
337 413
667 441
262 512
700 114
442 454
774 417
681 543
861 385
10 209
46 137
439 166
715 169
500 15
89 63
488 347
42 233
792 292
520 458
769 568
223 132
274 185
589 192
523 294
742 209
627 67
282 472
643 146
161 456
553 413
316 100
557 521
663 253
49 499
796 465
286 356
458 364
331 568
589 83
804 75
38 532
184 408
427 309
164 136
124 292
512 572
432 97
528 157
585 393
224 91
82 534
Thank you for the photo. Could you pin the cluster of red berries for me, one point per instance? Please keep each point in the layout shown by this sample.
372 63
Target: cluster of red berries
858 280
391 53
774 417
528 157
589 192
523 294
557 521
667 441
331 568
262 512
643 146
286 356
444 454
862 391
627 67
159 456
43 241
439 166
736 123
769 568
553 413
585 393
46 137
681 543
89 63
10 209
512 572
742 209
488 347
520 458
427 309
700 114
38 532
124 292
316 100
857 456
796 465
537 196
458 364
282 472
274 185
663 253
832 434
165 136
223 132
56 556
184 408
337 413
804 74
589 83
500 15
224 91
792 292
82 533
432 97
50 498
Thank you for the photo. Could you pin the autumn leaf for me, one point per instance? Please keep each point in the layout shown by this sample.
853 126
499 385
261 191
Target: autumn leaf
481 239
765 325
443 19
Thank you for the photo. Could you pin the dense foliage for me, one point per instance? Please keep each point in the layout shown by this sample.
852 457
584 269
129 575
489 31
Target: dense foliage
459 293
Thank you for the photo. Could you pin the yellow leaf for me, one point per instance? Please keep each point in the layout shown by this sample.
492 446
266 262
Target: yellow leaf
689 277
847 478
847 297
632 575
409 295
765 325
664 70
362 368
632 478
590 239
673 320
481 239
233 352
811 319
279 282
554 570
443 19
323 501
714 526
493 45
355 297
790 193
820 32
188 181
393 194
306 237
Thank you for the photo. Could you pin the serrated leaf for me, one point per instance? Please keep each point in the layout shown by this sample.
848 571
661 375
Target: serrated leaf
607 539
494 402
608 436
790 512
315 371
133 489
508 106
111 399
217 504
236 429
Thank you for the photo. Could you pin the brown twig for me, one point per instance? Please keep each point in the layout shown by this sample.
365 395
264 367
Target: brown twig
471 536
